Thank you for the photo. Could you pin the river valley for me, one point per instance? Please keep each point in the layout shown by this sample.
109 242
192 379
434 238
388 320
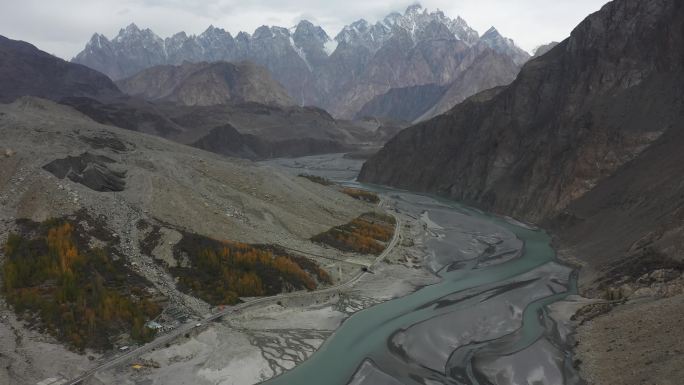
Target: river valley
463 298
485 322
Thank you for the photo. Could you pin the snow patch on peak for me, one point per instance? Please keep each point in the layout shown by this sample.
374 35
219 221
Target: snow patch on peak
413 9
97 41
330 46
392 19
300 52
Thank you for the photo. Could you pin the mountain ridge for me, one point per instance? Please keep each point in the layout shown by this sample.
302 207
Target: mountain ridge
207 84
339 74
23 71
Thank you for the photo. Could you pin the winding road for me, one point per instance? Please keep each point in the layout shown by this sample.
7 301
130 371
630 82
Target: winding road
187 327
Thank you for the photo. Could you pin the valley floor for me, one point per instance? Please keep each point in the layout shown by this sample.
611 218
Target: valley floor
264 341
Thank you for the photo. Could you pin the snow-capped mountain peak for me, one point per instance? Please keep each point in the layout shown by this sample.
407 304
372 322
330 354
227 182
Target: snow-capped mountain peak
414 9
131 28
491 33
391 52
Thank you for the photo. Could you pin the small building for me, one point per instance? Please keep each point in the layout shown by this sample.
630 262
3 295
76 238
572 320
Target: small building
153 325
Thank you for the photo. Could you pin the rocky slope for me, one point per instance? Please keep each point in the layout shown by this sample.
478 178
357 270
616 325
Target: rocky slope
571 118
490 69
205 84
248 130
142 193
340 74
586 141
25 70
163 180
408 103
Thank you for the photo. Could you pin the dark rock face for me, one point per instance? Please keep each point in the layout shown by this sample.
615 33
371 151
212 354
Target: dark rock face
363 61
109 142
406 104
226 140
27 71
92 171
634 214
571 119
129 113
206 84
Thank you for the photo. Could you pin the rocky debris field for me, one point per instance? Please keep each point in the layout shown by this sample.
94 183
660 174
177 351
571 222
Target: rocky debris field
135 184
639 342
634 334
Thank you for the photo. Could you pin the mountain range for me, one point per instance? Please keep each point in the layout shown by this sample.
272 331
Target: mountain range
232 109
339 74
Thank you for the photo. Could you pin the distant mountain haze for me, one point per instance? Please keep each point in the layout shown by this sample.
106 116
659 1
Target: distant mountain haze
235 109
207 84
340 74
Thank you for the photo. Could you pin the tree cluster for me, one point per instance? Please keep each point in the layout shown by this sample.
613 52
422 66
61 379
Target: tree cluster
366 234
78 294
221 272
361 195
317 179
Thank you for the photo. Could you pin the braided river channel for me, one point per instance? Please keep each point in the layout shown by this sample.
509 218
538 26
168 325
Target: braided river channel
486 322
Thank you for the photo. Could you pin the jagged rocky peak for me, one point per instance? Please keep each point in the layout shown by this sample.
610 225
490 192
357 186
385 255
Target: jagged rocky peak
416 19
491 33
133 32
414 9
262 32
307 31
130 29
97 41
392 19
420 24
243 36
314 68
312 43
493 39
362 33
213 33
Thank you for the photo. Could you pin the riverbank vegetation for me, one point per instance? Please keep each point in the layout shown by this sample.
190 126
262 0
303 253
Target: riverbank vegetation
81 295
220 272
317 179
367 234
361 195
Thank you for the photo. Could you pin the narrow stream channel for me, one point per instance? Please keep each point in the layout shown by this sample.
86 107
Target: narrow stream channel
484 323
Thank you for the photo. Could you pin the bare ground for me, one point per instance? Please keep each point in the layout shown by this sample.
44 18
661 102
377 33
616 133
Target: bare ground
636 343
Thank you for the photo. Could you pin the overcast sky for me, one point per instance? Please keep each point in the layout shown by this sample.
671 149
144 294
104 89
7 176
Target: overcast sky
63 27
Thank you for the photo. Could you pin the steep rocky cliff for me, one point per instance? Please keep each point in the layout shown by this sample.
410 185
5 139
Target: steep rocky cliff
570 120
587 141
